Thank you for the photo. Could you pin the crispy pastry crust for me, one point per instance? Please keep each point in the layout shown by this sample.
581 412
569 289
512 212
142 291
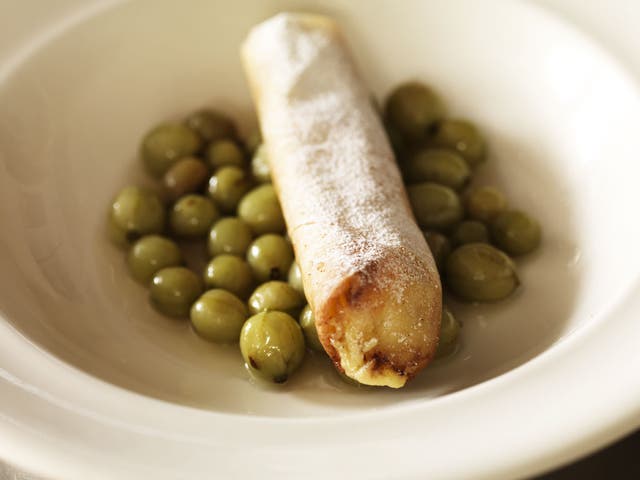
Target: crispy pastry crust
367 271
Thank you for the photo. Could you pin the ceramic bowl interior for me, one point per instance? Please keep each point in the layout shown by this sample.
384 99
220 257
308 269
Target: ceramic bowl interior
560 119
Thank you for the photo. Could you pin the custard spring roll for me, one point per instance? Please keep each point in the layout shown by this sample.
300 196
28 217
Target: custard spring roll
367 271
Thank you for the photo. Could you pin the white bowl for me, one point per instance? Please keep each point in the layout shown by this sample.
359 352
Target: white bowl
95 384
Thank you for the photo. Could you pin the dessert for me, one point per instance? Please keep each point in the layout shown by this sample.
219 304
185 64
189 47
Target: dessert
366 268
361 284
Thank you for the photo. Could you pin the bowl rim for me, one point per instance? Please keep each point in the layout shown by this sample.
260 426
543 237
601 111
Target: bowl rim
57 398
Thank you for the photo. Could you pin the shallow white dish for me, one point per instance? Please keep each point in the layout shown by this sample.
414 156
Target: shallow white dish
539 379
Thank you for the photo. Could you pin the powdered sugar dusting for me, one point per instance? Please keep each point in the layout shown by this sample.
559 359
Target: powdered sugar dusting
341 191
